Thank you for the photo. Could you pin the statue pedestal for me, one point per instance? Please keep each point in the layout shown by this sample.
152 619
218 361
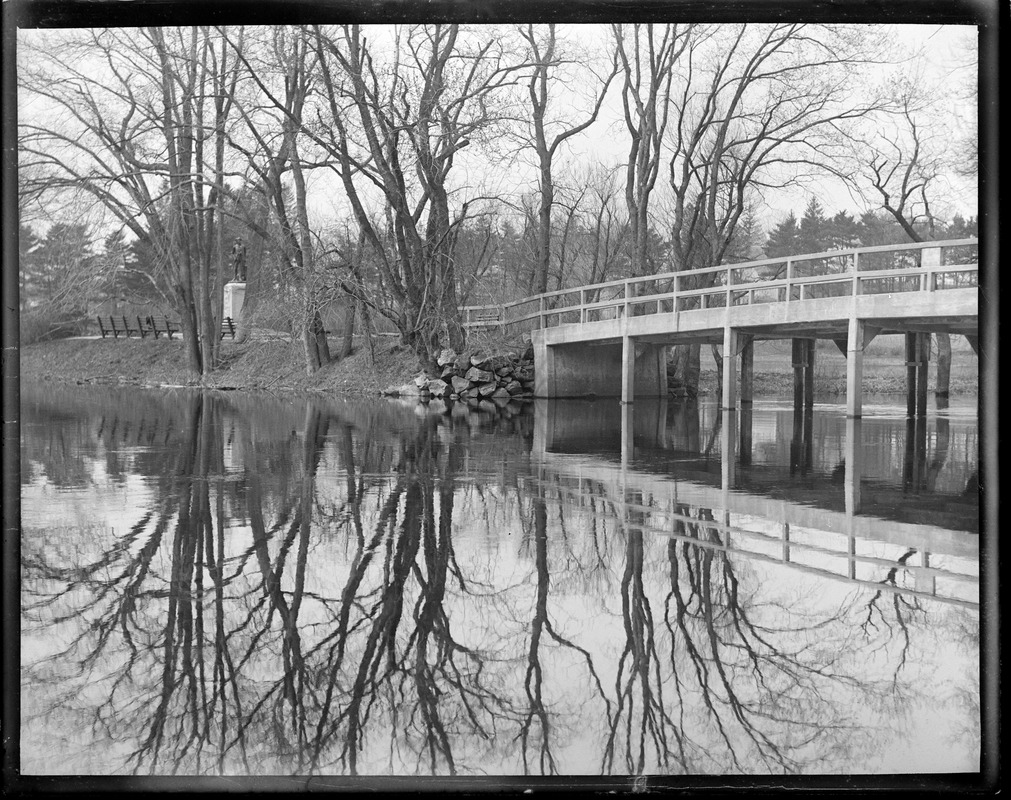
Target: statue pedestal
235 295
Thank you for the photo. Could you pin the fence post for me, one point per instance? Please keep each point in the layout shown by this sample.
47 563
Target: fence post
540 318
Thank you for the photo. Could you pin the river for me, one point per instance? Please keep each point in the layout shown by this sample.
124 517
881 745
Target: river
238 584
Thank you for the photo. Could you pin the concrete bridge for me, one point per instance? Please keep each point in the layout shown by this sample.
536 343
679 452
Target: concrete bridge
595 338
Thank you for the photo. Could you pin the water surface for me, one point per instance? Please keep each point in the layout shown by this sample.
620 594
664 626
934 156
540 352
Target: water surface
242 584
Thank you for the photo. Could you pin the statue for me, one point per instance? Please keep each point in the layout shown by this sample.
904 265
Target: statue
239 260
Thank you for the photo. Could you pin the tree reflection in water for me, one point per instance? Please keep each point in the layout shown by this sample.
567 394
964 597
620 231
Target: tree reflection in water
303 608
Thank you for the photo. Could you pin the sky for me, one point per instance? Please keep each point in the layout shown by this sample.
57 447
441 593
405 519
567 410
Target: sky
942 56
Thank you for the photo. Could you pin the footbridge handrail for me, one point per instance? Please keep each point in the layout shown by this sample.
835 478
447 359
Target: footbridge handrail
917 266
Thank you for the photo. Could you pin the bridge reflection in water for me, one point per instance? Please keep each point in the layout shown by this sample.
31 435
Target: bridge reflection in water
230 584
830 512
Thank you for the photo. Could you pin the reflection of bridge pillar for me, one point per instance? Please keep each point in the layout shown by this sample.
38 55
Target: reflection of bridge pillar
917 356
627 433
914 467
925 581
746 433
801 445
854 459
728 460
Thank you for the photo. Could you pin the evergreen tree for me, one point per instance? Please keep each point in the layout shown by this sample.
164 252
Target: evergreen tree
840 232
810 238
784 239
746 242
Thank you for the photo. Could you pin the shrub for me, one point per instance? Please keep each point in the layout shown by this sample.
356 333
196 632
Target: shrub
46 325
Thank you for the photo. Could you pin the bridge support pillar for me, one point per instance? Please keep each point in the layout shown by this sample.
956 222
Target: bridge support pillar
731 349
803 374
627 369
855 368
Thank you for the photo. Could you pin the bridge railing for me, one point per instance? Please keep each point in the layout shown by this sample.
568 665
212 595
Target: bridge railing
916 267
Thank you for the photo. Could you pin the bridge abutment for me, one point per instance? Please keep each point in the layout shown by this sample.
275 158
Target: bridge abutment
626 369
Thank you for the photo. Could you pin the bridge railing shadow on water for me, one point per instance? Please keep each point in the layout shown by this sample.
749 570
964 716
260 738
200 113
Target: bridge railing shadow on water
358 589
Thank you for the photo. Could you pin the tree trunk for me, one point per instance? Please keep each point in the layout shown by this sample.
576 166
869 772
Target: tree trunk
348 329
687 368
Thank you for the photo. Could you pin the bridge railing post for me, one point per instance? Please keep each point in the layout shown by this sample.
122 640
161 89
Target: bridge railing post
930 258
540 314
627 293
856 275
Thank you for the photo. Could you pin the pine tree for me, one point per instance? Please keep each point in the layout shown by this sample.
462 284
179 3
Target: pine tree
784 239
810 238
841 232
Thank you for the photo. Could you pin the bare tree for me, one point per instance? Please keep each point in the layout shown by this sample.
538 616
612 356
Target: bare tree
902 169
397 129
274 155
757 107
547 135
136 119
647 55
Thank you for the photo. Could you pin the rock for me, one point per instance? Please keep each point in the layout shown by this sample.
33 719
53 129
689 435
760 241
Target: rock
421 380
462 362
496 363
448 371
475 375
514 387
447 357
523 374
460 385
438 387
487 389
406 390
472 393
500 393
503 371
528 354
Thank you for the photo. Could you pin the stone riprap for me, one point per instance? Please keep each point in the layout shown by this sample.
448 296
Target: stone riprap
473 376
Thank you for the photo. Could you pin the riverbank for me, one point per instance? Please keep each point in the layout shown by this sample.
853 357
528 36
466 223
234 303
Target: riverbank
276 365
261 364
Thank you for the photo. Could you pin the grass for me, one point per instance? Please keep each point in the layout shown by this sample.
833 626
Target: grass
884 368
258 364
